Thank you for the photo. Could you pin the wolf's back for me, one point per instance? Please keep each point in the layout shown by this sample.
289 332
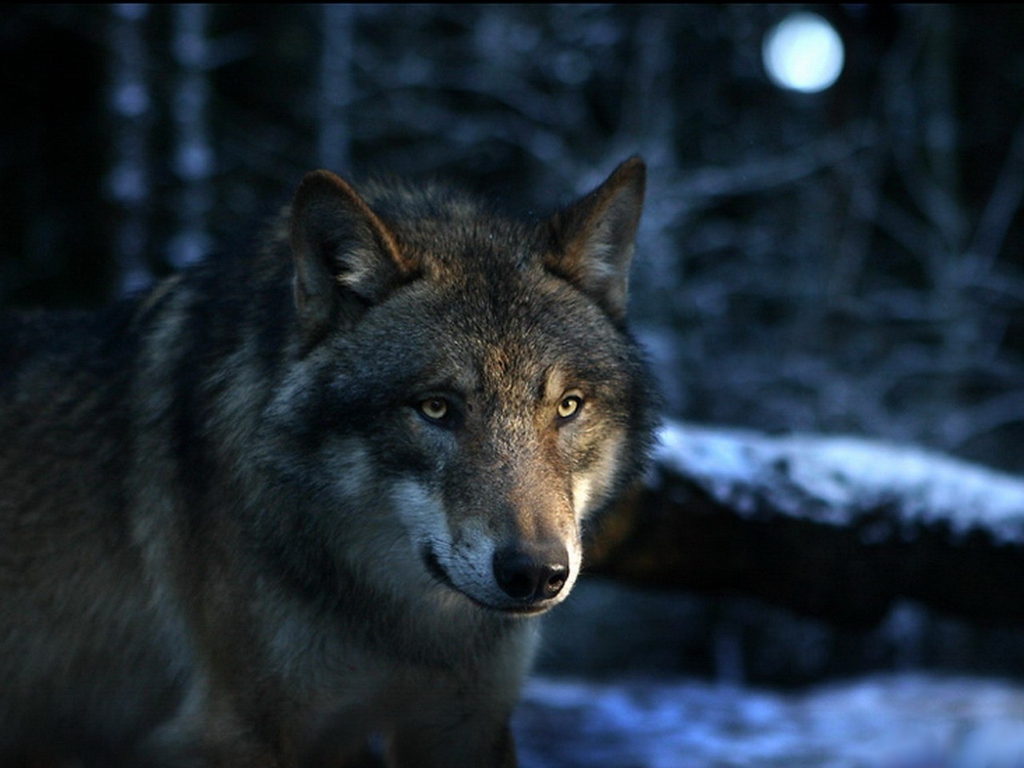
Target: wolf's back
75 598
112 423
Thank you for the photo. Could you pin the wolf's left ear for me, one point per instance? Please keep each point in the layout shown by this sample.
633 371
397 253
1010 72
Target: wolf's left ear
346 258
593 239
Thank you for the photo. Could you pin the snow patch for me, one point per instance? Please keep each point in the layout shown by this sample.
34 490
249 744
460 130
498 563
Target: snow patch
835 480
878 722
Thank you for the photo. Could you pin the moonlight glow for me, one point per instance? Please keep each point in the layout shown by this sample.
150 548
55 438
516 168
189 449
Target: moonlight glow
803 53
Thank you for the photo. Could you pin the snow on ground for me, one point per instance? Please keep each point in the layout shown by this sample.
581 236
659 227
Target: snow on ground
906 721
833 479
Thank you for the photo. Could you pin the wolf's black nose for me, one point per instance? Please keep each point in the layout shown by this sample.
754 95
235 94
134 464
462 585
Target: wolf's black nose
531 574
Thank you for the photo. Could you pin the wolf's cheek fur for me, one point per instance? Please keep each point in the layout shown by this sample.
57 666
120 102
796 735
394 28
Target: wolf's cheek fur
593 480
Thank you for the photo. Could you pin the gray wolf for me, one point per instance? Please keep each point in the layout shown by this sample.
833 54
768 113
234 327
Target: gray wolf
288 502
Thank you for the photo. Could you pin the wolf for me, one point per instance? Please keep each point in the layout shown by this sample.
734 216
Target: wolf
288 504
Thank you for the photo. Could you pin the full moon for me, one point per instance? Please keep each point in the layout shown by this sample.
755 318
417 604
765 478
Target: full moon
803 53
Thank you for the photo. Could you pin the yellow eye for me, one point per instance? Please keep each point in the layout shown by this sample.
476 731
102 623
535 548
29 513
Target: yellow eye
434 408
570 406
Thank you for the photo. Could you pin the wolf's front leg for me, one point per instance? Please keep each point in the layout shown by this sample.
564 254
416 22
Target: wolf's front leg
474 742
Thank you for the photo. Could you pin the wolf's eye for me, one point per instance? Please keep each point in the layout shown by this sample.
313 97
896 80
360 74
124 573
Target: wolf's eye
434 408
570 406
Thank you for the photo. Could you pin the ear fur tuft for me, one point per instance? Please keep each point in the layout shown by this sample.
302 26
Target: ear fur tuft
345 257
593 239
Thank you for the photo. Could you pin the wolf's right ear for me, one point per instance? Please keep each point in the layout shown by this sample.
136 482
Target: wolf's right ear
346 258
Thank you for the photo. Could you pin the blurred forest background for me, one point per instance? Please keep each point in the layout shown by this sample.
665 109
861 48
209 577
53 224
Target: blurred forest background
844 261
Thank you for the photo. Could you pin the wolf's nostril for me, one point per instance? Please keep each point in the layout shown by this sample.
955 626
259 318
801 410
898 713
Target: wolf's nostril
554 582
532 575
518 584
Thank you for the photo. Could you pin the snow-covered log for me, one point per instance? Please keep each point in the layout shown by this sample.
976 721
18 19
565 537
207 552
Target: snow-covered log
834 527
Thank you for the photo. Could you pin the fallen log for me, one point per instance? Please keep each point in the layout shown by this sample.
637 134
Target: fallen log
831 527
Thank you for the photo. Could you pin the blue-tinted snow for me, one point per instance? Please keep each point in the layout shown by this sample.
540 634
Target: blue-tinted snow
833 479
883 722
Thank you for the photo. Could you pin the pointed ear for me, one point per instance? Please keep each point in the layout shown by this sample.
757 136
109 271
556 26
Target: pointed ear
592 239
346 258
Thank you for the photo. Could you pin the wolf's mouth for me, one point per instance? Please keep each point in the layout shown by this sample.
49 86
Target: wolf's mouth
436 570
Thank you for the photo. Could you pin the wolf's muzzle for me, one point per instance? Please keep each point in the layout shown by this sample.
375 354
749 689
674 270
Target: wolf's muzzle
531 575
529 578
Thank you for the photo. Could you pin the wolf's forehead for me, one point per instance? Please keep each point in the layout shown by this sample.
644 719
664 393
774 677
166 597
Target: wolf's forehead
515 361
511 361
511 381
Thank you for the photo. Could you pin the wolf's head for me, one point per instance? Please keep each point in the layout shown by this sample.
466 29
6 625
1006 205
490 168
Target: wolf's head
465 392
